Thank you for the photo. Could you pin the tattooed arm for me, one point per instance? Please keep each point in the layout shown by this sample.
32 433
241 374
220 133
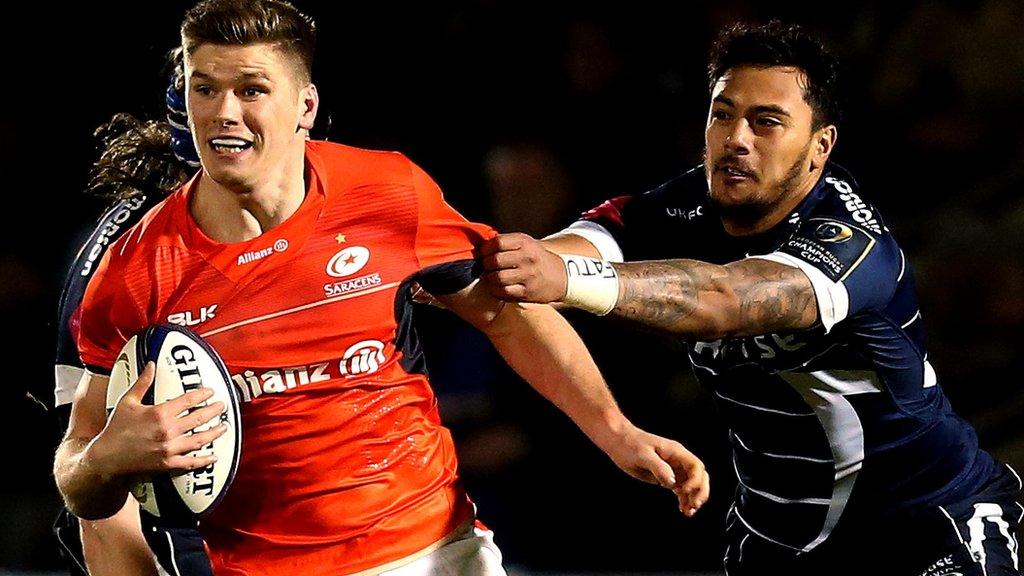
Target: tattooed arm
708 301
685 297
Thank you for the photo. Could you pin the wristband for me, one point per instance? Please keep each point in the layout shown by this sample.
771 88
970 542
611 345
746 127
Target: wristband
592 285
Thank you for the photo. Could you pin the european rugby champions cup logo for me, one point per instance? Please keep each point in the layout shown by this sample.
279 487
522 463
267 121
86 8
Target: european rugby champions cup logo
833 232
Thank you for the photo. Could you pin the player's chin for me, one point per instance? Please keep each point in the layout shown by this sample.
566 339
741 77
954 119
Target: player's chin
232 177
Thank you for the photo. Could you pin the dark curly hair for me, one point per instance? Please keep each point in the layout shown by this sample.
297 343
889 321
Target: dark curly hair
137 158
781 44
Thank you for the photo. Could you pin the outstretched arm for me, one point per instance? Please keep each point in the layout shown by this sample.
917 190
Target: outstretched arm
687 297
541 346
706 301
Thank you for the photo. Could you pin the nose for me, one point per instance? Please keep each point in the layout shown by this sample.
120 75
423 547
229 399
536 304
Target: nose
228 111
737 139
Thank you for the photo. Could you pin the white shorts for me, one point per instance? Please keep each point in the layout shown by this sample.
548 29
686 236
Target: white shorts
471 553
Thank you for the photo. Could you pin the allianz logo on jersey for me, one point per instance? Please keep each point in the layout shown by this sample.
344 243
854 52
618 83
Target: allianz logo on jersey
858 210
279 246
187 318
360 359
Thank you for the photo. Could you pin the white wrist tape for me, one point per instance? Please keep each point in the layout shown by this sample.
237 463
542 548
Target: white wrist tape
593 285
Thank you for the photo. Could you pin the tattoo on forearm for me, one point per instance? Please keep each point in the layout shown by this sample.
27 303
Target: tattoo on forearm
704 300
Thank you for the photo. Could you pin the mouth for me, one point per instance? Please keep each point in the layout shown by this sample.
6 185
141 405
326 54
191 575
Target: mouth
733 172
229 145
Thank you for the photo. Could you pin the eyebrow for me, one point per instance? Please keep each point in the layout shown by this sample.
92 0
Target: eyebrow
242 76
760 108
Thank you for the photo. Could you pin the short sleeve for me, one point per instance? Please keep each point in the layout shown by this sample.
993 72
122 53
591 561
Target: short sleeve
851 268
605 227
109 316
444 238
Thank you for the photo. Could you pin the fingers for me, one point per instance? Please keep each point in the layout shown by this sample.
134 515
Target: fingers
510 251
508 260
187 400
503 243
138 389
188 463
693 493
198 418
191 442
663 474
508 277
694 483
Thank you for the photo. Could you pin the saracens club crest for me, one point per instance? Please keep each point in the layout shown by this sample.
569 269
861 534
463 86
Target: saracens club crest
348 261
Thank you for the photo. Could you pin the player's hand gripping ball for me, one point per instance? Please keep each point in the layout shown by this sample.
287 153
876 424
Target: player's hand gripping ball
184 362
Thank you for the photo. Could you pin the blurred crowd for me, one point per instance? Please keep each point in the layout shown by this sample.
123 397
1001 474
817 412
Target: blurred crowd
528 113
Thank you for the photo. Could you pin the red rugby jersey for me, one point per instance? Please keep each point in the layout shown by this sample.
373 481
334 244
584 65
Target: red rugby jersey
345 464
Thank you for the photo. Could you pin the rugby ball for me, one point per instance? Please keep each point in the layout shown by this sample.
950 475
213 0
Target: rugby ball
184 362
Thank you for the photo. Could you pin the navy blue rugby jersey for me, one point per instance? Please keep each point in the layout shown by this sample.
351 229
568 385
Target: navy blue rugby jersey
68 368
841 421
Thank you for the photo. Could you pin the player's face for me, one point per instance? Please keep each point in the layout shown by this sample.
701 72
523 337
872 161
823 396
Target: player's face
760 148
246 105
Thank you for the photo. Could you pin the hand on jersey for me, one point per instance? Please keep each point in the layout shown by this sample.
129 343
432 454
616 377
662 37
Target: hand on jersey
664 462
140 439
519 268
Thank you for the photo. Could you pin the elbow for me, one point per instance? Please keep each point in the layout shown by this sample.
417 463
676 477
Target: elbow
89 510
501 321
79 493
721 318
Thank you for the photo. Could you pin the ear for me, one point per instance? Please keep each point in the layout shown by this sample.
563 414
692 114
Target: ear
309 101
824 142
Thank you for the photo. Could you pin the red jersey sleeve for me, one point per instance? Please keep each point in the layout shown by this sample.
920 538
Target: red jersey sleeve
109 316
442 234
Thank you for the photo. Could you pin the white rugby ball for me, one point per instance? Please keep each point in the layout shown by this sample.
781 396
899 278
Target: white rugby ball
184 362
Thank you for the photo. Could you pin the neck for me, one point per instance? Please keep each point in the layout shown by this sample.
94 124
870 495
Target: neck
228 213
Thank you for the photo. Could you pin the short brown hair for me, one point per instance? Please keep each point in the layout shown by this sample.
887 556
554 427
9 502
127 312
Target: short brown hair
242 22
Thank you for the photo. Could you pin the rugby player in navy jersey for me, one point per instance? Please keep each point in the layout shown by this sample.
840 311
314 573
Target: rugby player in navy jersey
800 314
141 162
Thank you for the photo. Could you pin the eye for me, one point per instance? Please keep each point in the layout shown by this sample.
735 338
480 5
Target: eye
253 91
720 115
203 89
768 121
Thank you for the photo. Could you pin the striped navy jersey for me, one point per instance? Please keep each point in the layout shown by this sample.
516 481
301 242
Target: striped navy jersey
115 221
841 422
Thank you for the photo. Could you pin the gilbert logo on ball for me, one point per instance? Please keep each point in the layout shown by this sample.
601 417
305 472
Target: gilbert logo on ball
184 362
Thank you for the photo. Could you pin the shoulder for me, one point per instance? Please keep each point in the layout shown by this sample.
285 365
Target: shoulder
115 221
843 199
360 165
681 194
681 198
844 236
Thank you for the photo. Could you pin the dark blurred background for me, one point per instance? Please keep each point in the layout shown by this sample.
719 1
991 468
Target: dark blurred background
526 113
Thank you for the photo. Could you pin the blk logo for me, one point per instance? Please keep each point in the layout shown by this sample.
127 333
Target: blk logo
188 318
